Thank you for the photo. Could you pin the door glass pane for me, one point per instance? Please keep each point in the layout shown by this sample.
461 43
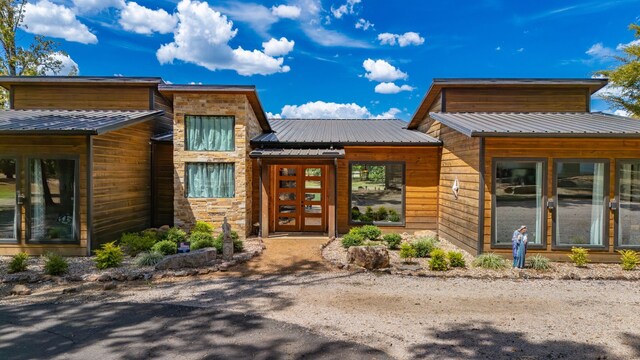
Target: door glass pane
629 208
376 193
287 184
52 199
313 172
313 221
313 184
287 221
285 209
287 172
313 196
580 214
287 196
313 209
7 198
518 193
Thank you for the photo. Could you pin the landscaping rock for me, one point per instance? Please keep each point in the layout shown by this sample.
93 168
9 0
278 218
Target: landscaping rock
104 277
369 257
17 278
194 259
409 267
110 286
73 278
70 290
20 290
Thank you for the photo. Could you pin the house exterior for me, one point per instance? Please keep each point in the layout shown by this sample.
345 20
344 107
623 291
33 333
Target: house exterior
84 159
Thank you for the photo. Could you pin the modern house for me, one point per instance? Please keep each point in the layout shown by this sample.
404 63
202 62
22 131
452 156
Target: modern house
84 159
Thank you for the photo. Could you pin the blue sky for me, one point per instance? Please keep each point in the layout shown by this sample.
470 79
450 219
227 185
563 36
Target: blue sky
338 58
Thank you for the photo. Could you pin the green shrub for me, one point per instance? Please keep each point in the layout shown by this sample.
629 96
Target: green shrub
133 243
352 239
393 216
18 262
579 256
372 243
381 214
149 258
456 259
202 226
438 260
109 256
176 235
629 259
155 234
368 215
165 247
539 262
201 240
424 246
407 252
393 240
55 264
490 261
370 232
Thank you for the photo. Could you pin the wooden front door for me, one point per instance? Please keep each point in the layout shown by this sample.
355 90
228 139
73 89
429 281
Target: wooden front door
300 199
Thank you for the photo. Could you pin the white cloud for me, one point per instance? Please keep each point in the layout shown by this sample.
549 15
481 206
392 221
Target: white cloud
600 52
271 115
280 47
364 24
389 114
621 47
609 90
143 20
95 6
498 48
621 112
380 70
258 17
202 38
391 88
68 66
286 11
406 39
330 110
49 19
311 23
344 9
520 50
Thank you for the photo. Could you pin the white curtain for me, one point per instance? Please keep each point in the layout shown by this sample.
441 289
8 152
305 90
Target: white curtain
210 180
537 239
210 133
37 201
597 204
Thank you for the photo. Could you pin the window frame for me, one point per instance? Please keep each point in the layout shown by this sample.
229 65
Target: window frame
403 223
186 179
616 214
76 198
606 192
17 207
543 210
186 133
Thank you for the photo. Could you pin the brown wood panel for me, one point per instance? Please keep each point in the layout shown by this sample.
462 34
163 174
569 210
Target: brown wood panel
162 179
164 123
516 99
81 97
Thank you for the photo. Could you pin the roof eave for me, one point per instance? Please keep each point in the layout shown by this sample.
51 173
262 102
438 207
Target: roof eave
129 122
274 144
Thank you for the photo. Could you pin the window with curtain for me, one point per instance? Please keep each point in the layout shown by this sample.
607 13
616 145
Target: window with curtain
581 209
377 193
210 180
209 133
629 203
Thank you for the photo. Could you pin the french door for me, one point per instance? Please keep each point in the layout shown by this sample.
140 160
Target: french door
300 198
9 200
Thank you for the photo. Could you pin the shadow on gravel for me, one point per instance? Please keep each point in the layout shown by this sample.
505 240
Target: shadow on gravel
633 341
483 341
140 331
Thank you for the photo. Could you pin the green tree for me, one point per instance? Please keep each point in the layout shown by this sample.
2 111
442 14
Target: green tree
626 77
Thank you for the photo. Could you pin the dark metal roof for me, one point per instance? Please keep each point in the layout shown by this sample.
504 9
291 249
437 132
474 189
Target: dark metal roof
540 124
167 137
297 153
340 132
70 122
6 81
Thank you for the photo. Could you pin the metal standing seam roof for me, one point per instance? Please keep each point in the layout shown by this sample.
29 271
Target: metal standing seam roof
340 132
69 122
297 153
540 124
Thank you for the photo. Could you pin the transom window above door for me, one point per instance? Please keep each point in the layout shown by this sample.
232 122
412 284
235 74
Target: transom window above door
209 133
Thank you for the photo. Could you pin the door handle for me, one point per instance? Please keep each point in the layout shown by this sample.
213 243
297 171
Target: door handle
613 205
20 198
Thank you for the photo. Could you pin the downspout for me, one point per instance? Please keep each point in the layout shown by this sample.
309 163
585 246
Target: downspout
481 198
335 196
260 201
89 194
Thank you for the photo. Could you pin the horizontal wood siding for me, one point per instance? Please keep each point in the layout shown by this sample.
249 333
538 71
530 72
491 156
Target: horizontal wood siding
121 182
24 147
517 99
421 184
81 97
163 124
162 191
551 149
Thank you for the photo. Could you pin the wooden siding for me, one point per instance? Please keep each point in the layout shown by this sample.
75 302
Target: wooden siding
550 148
24 147
163 124
162 179
516 99
121 182
90 97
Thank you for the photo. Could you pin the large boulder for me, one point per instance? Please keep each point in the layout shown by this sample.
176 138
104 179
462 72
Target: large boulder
369 257
193 259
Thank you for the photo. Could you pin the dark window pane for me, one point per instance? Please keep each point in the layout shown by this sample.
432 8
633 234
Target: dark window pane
287 171
287 221
287 184
376 193
629 209
284 209
287 196
7 198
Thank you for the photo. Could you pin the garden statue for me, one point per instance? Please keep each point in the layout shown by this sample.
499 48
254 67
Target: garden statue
227 241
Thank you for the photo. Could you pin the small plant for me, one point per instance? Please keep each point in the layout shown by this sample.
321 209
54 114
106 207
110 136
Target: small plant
407 252
438 260
456 259
579 256
393 216
18 262
133 243
368 215
202 226
55 264
176 235
381 214
151 258
109 256
629 259
539 262
393 240
424 246
165 247
490 261
201 240
352 239
370 232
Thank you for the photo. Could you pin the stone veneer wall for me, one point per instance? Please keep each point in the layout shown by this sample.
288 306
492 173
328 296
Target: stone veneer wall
237 209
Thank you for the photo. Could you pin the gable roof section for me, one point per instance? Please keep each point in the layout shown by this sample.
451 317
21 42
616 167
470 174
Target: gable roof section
341 132
540 124
69 122
438 84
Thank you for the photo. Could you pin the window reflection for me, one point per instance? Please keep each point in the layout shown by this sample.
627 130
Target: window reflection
376 193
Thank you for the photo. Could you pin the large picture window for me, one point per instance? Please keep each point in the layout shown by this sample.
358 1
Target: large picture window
518 187
628 222
9 214
210 180
209 133
377 193
581 191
